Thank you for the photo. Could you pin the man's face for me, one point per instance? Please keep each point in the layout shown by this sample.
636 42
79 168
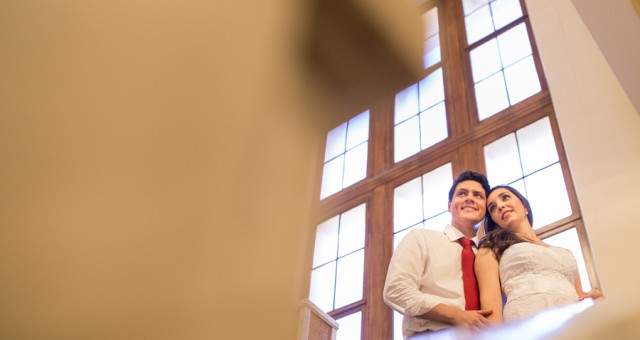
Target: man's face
468 204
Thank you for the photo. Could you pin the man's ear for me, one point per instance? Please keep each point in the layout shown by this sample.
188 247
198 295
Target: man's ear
449 206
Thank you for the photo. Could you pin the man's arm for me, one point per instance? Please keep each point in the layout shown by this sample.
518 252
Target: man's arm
457 317
401 289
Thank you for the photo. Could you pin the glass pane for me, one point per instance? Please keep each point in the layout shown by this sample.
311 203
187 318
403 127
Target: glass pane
472 5
407 139
522 80
355 165
350 327
349 279
433 125
436 185
491 96
505 12
432 39
406 103
397 326
485 60
322 283
438 222
407 204
569 239
430 22
537 147
478 24
332 177
514 45
358 130
431 90
335 142
547 194
352 230
397 237
502 160
519 185
432 52
326 246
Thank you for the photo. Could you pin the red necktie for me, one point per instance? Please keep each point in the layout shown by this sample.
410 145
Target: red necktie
469 276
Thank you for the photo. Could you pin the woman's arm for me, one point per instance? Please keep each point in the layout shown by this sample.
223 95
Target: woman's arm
594 293
488 276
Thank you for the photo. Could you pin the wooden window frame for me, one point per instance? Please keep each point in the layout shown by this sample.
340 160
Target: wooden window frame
463 148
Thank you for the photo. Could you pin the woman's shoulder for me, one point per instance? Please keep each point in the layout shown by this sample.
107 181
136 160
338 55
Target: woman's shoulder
486 258
484 252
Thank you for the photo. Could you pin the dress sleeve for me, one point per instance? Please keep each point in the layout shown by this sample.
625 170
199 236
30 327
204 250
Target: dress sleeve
406 271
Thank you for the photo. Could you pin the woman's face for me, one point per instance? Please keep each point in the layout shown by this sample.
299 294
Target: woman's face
506 209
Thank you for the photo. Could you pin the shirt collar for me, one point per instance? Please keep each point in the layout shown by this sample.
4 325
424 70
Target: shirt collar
453 234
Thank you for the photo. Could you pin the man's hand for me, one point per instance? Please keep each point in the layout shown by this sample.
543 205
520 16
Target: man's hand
474 319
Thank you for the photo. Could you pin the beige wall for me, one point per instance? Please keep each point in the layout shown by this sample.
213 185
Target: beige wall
601 133
130 206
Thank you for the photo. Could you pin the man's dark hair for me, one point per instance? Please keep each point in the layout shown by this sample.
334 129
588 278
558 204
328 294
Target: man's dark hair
469 175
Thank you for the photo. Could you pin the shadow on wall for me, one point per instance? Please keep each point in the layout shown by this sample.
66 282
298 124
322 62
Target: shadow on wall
156 158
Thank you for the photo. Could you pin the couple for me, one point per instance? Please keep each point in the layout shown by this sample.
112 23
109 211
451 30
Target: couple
425 277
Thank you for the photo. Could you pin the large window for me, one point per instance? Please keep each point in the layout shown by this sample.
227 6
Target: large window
420 116
338 261
345 157
482 103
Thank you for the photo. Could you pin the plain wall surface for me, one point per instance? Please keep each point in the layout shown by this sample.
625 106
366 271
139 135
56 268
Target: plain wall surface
130 203
158 160
600 130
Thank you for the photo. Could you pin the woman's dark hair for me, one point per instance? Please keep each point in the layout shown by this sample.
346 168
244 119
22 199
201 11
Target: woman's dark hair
499 240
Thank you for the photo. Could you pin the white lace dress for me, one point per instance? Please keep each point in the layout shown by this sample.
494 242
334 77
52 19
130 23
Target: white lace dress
535 278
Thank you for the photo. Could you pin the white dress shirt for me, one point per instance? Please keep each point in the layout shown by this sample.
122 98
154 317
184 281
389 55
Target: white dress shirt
425 270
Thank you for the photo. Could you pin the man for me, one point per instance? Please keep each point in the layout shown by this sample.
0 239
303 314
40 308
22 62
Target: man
425 281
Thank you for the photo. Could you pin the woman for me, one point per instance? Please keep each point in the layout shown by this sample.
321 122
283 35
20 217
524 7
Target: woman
513 260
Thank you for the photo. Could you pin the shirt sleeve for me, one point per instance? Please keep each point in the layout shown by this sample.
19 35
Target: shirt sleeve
406 270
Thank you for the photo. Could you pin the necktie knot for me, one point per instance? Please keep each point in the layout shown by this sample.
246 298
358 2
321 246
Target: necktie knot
465 242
